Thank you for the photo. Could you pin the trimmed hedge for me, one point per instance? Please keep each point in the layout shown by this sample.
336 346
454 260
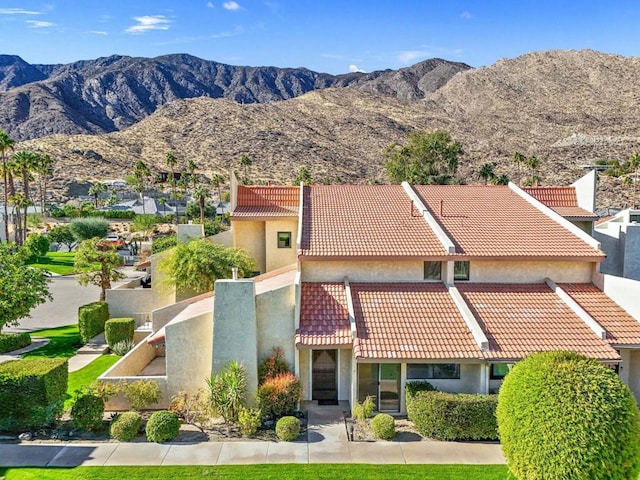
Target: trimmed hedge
416 386
451 416
125 426
14 341
118 330
32 392
91 320
162 426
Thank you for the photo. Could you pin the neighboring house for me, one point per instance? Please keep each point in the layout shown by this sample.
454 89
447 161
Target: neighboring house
620 238
151 207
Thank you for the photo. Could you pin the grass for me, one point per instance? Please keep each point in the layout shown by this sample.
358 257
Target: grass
64 341
275 472
61 263
86 375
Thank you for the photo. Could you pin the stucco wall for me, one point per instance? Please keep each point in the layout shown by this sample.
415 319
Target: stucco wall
634 373
344 387
250 235
280 257
128 302
611 245
188 232
530 272
274 310
623 291
631 266
469 381
362 271
223 238
304 373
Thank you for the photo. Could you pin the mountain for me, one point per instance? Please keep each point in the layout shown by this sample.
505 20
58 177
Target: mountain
112 93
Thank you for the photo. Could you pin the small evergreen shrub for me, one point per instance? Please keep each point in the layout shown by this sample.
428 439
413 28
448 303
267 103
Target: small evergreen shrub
288 429
162 426
14 341
279 395
91 320
411 388
273 365
118 330
36 245
122 347
161 244
142 393
383 426
87 411
364 410
249 420
125 426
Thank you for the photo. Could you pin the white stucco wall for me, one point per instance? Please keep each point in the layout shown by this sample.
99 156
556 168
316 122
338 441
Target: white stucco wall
344 387
275 320
623 291
304 373
129 302
188 232
530 272
280 257
362 271
250 235
223 238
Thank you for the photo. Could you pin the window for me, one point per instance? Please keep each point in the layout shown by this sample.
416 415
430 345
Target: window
429 371
284 239
432 270
499 371
461 270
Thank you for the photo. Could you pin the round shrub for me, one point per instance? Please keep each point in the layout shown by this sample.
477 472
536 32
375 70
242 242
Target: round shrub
279 395
383 426
125 426
288 429
87 412
162 426
562 415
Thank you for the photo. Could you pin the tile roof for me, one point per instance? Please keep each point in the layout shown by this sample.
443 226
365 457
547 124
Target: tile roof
324 319
409 321
365 221
563 200
621 328
520 319
494 221
266 201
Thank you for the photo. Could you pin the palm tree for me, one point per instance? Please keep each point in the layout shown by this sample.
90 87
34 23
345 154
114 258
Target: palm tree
500 180
44 169
172 162
201 193
95 190
191 170
24 162
245 162
216 181
518 159
486 172
141 173
634 166
533 163
6 143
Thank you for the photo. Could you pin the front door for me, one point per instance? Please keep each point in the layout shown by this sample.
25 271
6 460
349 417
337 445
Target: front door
323 376
389 387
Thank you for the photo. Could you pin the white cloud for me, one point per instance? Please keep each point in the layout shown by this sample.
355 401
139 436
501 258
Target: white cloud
231 5
39 24
98 32
354 68
17 11
149 22
466 15
210 5
410 55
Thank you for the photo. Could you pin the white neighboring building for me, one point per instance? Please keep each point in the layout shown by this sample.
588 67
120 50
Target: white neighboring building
620 239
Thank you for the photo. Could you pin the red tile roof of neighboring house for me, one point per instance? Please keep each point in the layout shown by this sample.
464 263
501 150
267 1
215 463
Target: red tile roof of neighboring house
522 319
409 321
324 319
364 221
266 201
563 200
621 328
494 221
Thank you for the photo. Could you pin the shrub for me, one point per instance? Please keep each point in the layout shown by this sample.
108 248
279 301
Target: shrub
118 330
36 245
249 420
192 408
32 392
91 319
162 426
364 410
273 365
562 415
125 426
383 426
14 341
412 388
451 416
122 347
142 393
87 228
279 395
87 411
161 244
227 391
288 429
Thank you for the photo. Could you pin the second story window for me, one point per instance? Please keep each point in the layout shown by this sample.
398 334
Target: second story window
461 271
284 239
432 270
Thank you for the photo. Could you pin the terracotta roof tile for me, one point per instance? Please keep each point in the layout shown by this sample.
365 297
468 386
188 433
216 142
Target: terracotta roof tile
494 221
409 321
324 319
563 200
522 319
622 328
267 201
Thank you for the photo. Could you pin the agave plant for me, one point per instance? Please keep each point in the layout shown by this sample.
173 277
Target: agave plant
228 390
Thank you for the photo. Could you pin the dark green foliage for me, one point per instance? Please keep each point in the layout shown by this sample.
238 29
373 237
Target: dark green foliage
279 395
90 227
564 416
118 330
36 245
227 390
160 244
87 411
273 365
14 341
75 212
62 234
32 392
414 387
193 210
91 319
214 226
114 214
162 426
453 416
288 429
125 426
383 426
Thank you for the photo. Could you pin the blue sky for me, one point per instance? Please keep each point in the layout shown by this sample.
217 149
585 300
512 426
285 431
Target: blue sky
325 35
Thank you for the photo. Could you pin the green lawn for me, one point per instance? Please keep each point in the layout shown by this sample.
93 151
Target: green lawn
56 262
275 472
86 375
64 342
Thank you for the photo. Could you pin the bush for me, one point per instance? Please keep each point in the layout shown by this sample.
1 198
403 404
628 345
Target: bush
125 426
161 244
288 429
451 416
32 392
122 347
562 415
192 408
227 391
249 420
87 411
279 395
88 228
118 330
14 341
364 410
383 426
114 214
91 320
36 245
162 426
412 388
142 393
273 365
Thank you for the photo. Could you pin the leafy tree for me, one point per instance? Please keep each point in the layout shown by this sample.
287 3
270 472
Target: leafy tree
303 176
95 190
161 244
62 234
214 226
87 255
486 172
21 287
144 223
36 245
6 144
86 228
428 158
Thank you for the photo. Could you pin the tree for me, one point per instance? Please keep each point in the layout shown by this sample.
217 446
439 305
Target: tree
201 194
6 144
144 223
428 158
44 169
216 181
95 190
245 162
533 163
172 162
501 180
23 163
486 172
191 170
634 166
196 265
62 234
86 228
518 159
303 176
21 287
563 415
87 255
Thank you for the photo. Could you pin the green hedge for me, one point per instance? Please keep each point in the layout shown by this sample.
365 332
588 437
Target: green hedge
128 214
14 341
118 330
91 319
450 416
32 392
